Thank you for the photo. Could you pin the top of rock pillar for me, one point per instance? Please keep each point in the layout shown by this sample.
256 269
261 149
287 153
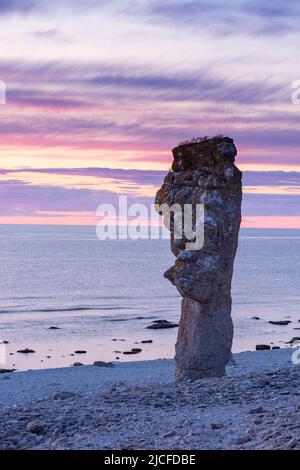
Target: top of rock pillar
203 152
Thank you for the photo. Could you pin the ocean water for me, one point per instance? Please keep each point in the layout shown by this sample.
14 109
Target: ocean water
103 294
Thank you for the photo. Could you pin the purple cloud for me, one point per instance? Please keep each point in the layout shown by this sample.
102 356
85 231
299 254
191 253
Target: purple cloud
19 6
102 82
155 177
271 178
19 198
239 17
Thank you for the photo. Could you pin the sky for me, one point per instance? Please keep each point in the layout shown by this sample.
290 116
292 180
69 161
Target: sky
98 93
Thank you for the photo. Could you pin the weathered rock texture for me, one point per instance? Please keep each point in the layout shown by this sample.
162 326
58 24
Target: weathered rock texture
203 172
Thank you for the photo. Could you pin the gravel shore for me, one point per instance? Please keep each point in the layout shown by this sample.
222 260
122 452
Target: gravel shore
138 405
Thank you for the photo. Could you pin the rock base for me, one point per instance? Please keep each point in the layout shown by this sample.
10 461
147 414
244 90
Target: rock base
204 341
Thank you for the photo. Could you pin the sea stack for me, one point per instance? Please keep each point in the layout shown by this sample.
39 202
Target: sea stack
203 172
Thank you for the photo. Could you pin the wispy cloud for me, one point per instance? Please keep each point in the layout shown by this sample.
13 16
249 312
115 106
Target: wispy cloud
102 80
95 104
238 17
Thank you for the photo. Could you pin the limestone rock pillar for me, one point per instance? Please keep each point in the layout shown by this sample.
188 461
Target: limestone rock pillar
203 172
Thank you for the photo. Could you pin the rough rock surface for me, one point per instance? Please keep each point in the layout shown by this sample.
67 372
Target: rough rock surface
203 172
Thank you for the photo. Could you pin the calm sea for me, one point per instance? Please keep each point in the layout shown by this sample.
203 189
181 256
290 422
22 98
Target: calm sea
103 294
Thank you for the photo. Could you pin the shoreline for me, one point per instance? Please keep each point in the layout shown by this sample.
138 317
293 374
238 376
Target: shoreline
139 405
33 384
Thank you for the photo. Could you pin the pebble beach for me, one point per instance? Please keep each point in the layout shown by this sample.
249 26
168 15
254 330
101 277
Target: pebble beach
139 405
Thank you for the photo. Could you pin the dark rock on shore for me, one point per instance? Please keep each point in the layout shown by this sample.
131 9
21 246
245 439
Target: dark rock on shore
280 322
77 364
296 339
54 328
133 351
161 324
255 318
6 371
26 351
80 352
262 347
103 364
147 341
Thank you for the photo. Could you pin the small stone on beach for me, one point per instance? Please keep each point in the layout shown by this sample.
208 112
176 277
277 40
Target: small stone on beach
63 395
257 410
217 425
35 427
170 434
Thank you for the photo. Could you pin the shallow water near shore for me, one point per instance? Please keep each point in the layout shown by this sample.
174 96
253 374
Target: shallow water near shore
103 294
